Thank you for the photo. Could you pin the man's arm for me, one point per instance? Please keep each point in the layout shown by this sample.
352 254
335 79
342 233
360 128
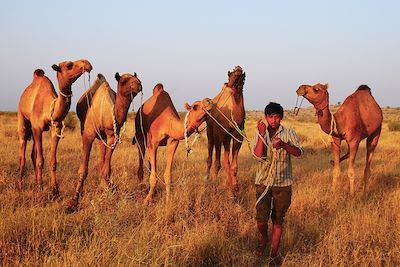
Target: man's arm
259 149
292 150
295 149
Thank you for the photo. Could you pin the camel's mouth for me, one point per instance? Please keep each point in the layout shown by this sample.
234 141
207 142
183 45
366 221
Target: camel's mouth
87 67
207 104
302 91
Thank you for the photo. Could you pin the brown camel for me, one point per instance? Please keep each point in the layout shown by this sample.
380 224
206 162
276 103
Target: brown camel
39 109
157 124
229 113
359 117
102 113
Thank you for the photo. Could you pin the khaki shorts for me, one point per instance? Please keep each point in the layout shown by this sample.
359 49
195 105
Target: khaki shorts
279 197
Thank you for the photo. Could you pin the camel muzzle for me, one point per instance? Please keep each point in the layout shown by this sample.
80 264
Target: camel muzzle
301 91
207 104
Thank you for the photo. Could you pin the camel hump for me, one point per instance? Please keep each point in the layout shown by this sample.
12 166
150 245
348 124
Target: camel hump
100 77
158 88
364 87
38 73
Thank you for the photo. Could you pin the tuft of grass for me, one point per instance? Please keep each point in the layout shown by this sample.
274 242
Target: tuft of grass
71 121
394 126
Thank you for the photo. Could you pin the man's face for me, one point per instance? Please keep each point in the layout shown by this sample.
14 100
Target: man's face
274 120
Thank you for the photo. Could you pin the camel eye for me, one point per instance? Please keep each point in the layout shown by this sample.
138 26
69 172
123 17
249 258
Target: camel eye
69 65
195 108
315 90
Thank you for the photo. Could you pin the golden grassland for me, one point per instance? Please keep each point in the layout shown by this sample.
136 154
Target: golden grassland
203 225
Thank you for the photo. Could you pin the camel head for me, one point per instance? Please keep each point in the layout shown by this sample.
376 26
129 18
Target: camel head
68 72
197 112
128 84
236 78
316 94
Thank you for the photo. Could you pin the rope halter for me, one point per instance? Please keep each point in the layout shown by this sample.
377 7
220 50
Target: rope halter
185 125
67 97
297 108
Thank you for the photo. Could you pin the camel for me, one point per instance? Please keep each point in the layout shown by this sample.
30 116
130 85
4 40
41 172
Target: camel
41 109
157 124
102 113
229 113
359 117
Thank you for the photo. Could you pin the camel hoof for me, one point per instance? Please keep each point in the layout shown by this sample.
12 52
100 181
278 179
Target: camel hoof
147 201
55 193
19 185
112 188
72 206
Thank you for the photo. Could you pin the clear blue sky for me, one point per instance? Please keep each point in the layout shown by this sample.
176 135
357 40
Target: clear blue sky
190 45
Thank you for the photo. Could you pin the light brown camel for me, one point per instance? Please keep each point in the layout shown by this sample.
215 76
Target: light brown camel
157 124
359 117
102 113
39 109
229 113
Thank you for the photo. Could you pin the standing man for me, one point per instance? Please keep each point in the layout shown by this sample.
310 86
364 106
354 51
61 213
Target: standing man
274 145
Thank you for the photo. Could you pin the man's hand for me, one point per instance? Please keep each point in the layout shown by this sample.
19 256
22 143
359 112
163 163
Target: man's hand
277 143
262 128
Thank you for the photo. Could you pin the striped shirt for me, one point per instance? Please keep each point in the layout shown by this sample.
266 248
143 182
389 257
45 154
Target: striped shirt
282 173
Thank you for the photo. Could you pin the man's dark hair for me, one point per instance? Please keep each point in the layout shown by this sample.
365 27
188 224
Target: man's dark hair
273 108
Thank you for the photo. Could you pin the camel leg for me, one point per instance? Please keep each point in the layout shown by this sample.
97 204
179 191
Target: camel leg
353 147
102 155
38 155
234 164
372 142
171 149
152 149
55 131
23 134
83 169
210 152
227 164
345 156
106 170
141 155
33 156
335 147
217 161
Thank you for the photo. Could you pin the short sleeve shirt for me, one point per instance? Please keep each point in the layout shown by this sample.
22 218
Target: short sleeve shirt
282 173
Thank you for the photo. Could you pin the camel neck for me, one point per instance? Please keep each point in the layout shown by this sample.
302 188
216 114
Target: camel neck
325 118
60 108
121 108
64 86
323 104
177 128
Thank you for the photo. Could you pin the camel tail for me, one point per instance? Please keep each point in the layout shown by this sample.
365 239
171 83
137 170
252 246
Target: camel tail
38 73
364 87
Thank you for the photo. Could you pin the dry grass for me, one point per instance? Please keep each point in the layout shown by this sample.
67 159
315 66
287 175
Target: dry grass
204 225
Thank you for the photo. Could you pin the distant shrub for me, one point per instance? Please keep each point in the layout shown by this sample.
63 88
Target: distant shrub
394 126
71 121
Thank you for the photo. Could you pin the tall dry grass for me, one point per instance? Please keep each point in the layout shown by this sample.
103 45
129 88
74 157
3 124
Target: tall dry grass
203 225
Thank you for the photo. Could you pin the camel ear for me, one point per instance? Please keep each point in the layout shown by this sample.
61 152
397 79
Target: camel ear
56 68
117 77
187 107
134 74
229 73
325 86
